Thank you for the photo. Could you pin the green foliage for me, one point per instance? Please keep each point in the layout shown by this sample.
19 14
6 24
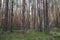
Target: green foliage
0 28
28 35
35 35
12 36
55 32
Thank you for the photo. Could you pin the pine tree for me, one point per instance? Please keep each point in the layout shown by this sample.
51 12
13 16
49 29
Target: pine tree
34 13
46 23
11 15
27 14
5 28
23 14
39 16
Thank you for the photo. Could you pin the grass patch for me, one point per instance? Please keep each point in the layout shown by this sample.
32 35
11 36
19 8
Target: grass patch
28 35
35 35
12 36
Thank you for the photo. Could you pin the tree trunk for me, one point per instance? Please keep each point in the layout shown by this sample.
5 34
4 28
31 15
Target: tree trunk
23 14
46 23
34 13
39 16
5 28
57 12
27 14
11 16
0 4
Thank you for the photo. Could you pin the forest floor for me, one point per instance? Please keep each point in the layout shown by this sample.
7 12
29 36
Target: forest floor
31 35
27 35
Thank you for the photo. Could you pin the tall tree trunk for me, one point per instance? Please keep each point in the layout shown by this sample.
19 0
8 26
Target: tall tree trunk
0 11
0 4
39 16
23 14
11 16
34 13
20 14
0 7
27 14
5 28
46 23
56 10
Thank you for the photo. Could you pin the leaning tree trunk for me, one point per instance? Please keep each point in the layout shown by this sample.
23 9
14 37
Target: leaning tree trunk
46 23
5 28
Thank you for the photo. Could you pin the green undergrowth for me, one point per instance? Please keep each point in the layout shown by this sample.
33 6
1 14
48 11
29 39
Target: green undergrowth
27 35
0 28
30 34
55 32
35 35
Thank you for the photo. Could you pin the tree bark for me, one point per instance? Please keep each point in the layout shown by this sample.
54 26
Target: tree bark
39 16
34 13
27 14
11 16
23 14
46 23
5 28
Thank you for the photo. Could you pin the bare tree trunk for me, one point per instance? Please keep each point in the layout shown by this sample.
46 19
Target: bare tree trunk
0 11
5 28
56 10
23 14
27 14
11 16
46 23
0 4
0 8
20 14
34 13
39 16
